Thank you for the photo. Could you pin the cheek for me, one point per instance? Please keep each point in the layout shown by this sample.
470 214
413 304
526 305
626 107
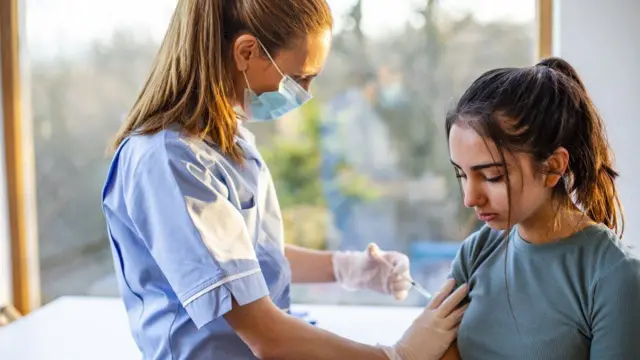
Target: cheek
263 77
498 196
528 197
495 197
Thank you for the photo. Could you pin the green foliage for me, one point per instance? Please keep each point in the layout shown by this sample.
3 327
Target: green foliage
295 165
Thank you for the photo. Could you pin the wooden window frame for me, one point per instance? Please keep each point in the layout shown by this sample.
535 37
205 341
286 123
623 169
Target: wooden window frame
19 162
544 10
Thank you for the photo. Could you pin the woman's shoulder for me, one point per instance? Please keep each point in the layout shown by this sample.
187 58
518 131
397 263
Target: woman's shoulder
475 250
615 280
606 251
166 147
484 241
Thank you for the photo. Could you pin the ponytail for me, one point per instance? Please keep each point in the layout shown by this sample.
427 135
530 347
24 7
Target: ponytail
190 83
604 204
563 67
215 82
591 167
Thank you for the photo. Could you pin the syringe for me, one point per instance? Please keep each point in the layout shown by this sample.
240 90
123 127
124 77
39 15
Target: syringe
375 251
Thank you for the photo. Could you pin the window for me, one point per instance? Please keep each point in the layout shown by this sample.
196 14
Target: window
86 72
365 161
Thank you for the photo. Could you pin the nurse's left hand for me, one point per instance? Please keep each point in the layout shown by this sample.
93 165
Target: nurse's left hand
382 271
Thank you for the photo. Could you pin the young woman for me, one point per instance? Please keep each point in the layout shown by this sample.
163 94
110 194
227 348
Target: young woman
194 222
548 276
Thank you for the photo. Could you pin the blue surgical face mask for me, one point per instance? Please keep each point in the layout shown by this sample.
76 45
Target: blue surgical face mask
274 104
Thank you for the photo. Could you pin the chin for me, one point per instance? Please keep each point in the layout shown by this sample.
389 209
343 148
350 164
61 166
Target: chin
497 224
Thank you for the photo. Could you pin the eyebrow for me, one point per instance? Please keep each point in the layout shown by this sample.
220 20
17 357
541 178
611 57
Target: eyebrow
480 166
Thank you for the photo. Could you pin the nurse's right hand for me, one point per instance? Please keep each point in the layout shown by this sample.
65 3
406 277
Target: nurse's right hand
434 330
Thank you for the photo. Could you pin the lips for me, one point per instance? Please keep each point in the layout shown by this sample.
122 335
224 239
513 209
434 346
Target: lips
486 217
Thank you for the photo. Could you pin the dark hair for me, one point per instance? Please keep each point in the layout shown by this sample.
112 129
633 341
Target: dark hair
191 81
536 110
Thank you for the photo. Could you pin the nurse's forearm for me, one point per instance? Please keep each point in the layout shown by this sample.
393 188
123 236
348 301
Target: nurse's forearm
272 334
304 341
310 266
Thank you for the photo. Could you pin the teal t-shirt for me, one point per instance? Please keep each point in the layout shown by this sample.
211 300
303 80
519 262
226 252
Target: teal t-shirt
577 298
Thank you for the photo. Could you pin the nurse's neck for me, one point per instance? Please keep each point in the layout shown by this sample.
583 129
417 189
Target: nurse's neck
239 109
552 225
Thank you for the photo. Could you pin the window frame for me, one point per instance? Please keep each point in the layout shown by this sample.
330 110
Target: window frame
19 161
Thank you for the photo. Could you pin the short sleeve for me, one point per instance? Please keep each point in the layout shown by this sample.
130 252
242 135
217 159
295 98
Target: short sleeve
474 250
615 320
198 239
460 265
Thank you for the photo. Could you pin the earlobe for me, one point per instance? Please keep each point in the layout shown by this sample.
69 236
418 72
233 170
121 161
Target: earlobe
552 179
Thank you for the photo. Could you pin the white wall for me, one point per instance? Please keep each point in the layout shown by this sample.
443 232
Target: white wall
602 40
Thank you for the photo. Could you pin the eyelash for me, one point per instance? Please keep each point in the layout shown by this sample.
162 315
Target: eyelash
494 179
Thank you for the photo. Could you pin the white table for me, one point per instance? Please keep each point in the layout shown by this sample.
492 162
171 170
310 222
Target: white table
71 328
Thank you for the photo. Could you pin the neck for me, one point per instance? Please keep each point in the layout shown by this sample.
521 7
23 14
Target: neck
550 225
238 89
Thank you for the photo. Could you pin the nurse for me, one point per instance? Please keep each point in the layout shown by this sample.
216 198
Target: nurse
192 214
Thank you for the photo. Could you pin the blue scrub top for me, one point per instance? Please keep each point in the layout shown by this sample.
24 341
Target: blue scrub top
189 230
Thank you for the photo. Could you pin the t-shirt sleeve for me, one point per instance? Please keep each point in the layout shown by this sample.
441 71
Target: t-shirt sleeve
615 319
461 265
198 238
467 256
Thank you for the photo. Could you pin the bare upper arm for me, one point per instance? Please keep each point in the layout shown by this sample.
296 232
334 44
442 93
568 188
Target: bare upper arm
452 353
258 324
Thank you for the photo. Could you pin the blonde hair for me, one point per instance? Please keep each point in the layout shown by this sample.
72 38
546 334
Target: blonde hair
191 82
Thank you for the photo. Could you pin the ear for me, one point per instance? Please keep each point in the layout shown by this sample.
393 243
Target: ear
245 48
556 165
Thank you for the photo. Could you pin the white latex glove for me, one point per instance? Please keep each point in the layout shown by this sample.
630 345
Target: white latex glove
434 330
368 270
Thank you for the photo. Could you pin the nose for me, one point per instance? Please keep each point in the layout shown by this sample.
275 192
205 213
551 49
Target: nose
473 194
